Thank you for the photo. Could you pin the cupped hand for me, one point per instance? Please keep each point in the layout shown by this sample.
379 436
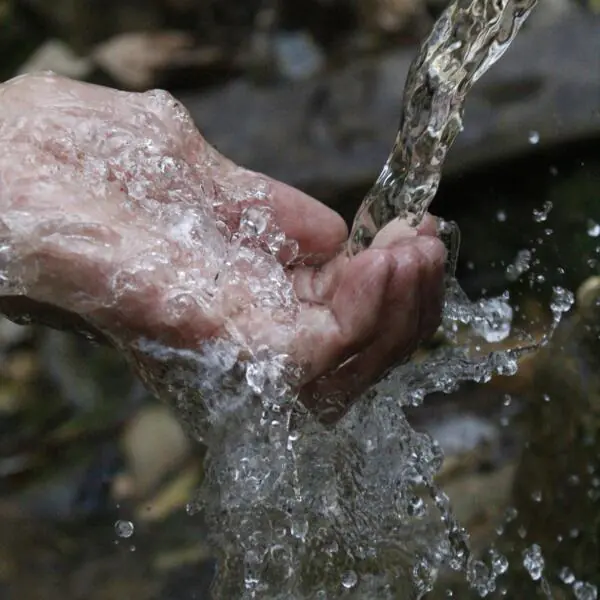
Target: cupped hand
114 208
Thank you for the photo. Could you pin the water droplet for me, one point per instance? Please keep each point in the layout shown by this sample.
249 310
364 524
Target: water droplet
494 322
566 575
520 265
511 514
585 591
349 579
533 561
124 529
562 300
540 215
593 228
481 579
299 528
499 562
254 221
536 496
534 137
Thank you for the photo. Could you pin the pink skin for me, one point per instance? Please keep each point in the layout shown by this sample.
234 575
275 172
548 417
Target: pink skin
83 205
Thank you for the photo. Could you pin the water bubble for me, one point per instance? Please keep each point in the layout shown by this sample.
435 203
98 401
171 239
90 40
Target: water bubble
593 228
501 216
533 561
124 529
533 137
540 215
585 591
349 579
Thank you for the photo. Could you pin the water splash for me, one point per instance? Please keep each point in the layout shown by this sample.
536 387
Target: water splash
299 510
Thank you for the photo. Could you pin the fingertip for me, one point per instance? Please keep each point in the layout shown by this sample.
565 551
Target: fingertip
428 226
432 249
394 232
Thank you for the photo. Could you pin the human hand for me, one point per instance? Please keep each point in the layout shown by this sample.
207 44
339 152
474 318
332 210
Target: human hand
115 209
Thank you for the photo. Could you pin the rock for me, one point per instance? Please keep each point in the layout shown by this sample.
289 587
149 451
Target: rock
55 55
549 12
332 135
297 55
556 491
12 334
134 59
153 445
390 16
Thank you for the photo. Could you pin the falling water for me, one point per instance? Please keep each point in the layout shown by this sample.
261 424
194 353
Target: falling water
469 37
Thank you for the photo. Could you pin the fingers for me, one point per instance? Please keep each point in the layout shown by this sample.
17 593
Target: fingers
409 309
341 305
400 229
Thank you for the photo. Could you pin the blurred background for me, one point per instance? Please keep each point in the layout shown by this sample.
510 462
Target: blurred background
95 474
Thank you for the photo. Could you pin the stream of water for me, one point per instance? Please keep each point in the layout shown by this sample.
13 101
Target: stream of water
299 510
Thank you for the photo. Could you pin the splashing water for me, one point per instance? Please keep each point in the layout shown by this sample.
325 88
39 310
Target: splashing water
299 510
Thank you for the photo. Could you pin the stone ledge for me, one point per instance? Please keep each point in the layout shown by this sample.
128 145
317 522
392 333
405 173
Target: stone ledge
333 134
